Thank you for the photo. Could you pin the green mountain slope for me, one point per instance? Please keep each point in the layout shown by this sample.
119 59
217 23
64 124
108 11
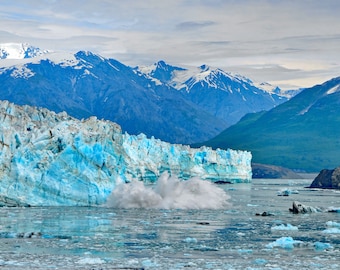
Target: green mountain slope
302 133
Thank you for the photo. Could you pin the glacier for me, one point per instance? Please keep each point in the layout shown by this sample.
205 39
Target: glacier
53 159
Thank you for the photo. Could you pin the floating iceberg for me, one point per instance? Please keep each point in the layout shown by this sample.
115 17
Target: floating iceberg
54 159
333 224
283 227
320 246
332 231
287 192
284 242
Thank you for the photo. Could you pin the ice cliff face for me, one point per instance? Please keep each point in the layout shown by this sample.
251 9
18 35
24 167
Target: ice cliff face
54 159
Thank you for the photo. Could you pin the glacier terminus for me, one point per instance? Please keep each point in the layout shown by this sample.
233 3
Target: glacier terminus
50 159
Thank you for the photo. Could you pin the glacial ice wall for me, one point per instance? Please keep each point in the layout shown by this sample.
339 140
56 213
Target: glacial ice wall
54 159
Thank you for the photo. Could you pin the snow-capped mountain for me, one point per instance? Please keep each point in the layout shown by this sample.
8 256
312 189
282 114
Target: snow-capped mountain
161 71
276 90
20 51
170 103
223 94
183 78
86 84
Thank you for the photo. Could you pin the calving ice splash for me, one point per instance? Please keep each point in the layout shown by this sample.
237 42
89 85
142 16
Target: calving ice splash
54 159
169 192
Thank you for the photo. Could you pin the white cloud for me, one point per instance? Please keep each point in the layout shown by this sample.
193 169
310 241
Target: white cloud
235 35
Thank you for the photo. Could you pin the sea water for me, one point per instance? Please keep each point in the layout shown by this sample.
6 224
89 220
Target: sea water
235 236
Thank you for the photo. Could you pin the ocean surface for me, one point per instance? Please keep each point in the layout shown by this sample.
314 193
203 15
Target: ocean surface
229 237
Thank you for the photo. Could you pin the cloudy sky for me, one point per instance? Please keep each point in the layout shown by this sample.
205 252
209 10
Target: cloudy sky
288 43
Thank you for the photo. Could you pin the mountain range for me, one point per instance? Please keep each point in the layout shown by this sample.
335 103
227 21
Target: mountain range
182 105
224 95
302 133
174 104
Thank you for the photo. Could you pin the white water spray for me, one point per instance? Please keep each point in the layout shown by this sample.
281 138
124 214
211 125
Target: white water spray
169 192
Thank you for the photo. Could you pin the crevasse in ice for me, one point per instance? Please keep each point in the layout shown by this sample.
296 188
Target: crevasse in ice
54 159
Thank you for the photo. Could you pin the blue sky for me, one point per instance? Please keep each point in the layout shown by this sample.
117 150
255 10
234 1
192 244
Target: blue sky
287 43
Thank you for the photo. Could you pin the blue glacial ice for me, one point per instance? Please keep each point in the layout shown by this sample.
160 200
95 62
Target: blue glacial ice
54 159
320 246
333 224
333 227
285 243
332 231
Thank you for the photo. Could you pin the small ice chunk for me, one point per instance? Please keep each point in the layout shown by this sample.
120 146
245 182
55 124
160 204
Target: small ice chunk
90 261
282 227
332 224
332 231
284 192
284 242
322 246
245 251
190 240
190 264
148 263
287 192
260 261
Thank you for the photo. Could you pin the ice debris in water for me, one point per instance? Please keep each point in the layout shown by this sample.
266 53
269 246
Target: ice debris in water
284 242
190 240
332 224
53 159
149 263
260 261
287 192
90 261
332 230
169 192
322 246
334 227
282 227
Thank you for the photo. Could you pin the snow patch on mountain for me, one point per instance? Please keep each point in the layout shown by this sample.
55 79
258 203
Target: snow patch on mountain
330 91
277 90
147 69
160 72
20 51
268 87
20 66
186 78
215 78
146 75
333 90
22 72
